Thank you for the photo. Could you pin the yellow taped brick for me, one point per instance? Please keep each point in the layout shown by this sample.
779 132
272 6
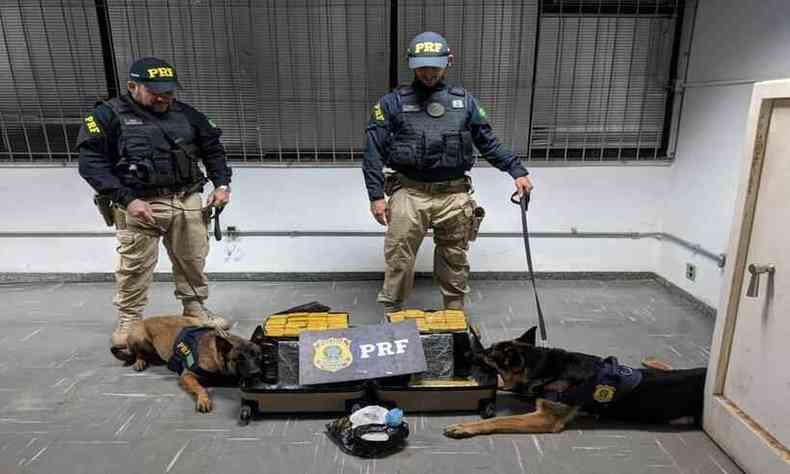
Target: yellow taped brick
291 325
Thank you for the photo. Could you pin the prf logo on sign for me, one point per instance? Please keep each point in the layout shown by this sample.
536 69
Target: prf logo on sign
359 353
427 47
384 348
155 72
332 354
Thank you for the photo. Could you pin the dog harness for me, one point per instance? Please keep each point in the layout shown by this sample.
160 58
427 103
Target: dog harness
612 383
186 350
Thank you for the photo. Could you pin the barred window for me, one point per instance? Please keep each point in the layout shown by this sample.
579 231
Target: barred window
292 82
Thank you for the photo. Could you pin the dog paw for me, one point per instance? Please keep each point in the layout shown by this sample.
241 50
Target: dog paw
656 363
140 365
457 432
203 405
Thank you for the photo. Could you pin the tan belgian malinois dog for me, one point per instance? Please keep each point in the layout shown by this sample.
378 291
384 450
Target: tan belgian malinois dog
197 352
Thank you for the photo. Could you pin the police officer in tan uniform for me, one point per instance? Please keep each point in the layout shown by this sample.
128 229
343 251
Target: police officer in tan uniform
143 152
425 133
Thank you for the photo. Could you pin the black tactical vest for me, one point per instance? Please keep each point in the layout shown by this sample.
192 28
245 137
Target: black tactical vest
147 158
434 134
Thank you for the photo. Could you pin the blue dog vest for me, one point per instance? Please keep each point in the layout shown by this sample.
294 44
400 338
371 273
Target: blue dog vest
612 383
185 351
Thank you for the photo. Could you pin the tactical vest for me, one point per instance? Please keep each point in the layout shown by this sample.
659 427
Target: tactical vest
186 351
148 159
612 383
434 133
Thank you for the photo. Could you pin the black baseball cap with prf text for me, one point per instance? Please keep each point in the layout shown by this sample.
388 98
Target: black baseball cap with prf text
155 74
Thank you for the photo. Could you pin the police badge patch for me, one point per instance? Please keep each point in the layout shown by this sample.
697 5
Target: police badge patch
332 354
603 393
435 109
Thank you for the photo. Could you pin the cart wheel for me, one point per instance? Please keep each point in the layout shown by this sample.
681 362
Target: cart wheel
487 409
245 415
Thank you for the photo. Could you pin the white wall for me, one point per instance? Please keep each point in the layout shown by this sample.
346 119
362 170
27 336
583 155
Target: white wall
589 199
735 43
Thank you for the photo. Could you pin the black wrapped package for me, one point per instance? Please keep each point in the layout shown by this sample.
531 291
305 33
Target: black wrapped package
381 438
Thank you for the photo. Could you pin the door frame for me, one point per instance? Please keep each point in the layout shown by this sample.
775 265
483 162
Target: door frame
754 449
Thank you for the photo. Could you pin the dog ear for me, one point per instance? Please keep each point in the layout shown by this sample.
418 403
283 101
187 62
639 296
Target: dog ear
529 336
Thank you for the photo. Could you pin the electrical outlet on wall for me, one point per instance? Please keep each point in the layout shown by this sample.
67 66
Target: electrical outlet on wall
691 271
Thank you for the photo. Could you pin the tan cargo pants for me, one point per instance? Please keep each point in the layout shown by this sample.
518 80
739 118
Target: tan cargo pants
185 236
411 213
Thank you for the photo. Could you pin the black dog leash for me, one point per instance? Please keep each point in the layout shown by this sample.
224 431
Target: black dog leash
217 226
523 203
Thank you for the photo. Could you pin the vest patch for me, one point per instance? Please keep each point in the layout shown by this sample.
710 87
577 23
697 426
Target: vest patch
378 113
92 126
435 109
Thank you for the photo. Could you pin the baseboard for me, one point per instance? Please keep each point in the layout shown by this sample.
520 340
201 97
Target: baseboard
705 308
10 278
320 276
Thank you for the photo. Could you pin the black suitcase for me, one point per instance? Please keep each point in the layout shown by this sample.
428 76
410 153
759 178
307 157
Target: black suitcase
449 384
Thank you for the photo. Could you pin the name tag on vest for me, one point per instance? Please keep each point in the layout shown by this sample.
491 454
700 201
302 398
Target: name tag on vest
132 121
411 108
360 353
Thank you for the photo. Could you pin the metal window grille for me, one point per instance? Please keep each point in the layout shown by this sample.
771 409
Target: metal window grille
291 81
603 72
51 72
288 81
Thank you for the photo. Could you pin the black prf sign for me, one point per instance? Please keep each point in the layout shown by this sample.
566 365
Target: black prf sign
364 352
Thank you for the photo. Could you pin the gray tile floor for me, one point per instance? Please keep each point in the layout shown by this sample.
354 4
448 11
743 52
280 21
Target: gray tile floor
66 406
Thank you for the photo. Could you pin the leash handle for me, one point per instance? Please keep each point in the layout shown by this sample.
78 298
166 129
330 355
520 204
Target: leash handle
523 203
514 198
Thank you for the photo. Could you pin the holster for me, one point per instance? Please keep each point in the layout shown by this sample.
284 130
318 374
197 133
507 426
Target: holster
478 213
104 205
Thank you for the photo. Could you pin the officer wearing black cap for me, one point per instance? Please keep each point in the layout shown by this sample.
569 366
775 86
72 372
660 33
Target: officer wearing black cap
143 151
425 132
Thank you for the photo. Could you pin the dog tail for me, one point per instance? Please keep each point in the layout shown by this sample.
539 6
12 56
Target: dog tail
124 355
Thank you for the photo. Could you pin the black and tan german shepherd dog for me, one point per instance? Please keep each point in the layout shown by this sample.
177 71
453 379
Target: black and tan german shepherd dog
565 384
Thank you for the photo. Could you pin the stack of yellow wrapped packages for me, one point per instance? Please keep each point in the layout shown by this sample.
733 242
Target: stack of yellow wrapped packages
447 320
290 325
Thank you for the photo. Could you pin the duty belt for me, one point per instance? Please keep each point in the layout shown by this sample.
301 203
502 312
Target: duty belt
460 185
169 191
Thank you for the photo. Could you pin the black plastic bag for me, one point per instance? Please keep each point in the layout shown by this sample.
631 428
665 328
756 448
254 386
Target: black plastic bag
356 440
